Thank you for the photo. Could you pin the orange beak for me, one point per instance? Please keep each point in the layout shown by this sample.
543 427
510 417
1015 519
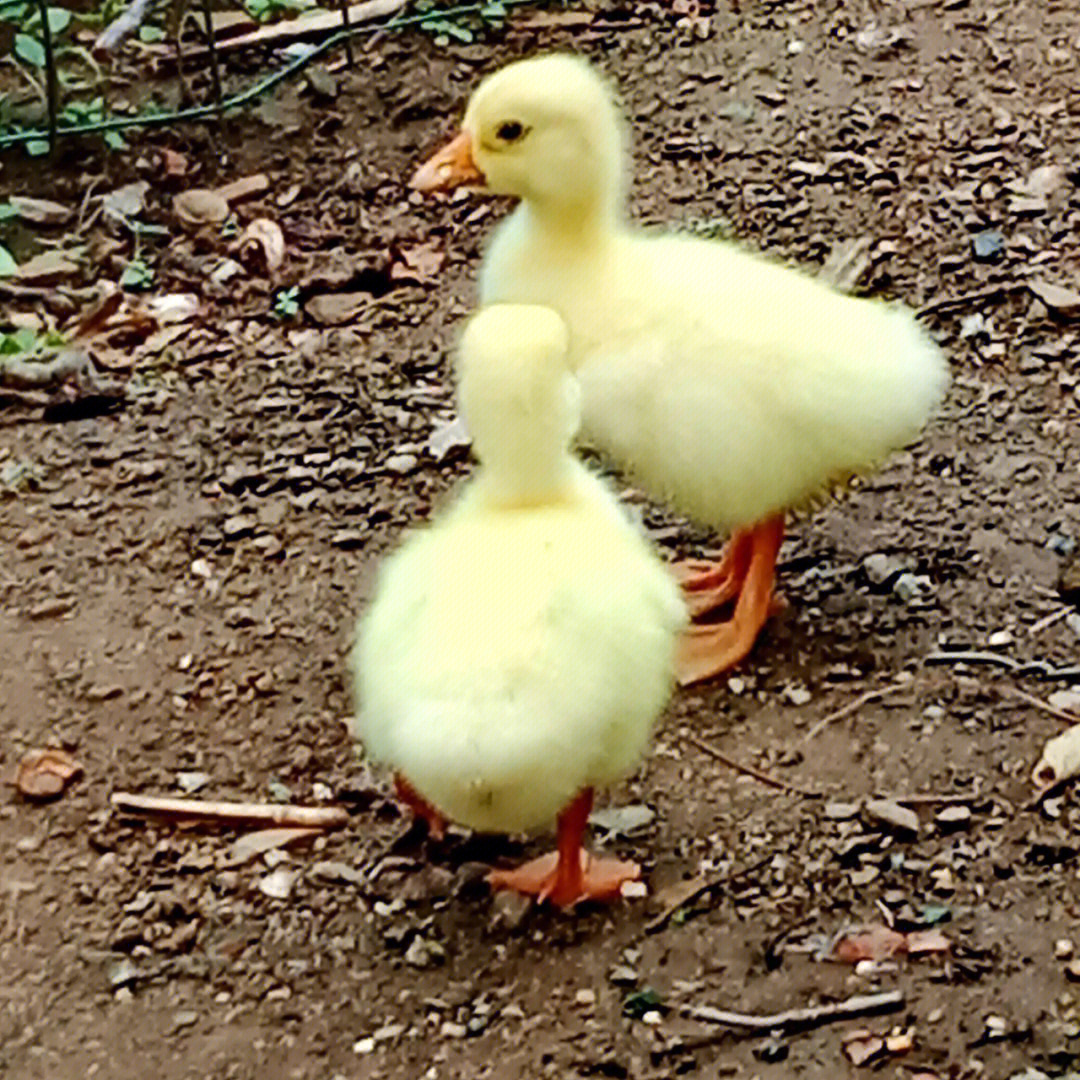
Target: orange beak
449 168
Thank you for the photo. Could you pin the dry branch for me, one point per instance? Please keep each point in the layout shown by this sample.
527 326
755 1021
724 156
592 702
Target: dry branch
748 770
295 29
799 1019
259 815
852 706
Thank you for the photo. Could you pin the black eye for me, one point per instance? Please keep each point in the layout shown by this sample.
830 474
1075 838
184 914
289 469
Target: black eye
511 131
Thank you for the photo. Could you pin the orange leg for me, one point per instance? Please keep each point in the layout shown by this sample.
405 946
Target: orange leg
707 586
436 823
570 875
707 649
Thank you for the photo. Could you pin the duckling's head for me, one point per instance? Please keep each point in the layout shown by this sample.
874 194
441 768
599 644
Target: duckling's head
519 399
545 130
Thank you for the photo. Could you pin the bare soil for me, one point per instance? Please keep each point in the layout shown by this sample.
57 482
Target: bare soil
181 577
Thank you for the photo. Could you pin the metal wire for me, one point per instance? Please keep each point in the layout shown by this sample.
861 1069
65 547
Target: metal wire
203 112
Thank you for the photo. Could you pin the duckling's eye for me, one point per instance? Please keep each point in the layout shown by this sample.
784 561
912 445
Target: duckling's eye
510 131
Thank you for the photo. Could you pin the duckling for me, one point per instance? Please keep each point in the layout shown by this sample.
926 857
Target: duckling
518 651
723 383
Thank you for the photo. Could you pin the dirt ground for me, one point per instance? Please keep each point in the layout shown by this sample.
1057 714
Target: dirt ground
181 577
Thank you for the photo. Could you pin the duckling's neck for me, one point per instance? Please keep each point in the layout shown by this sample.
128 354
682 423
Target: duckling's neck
526 477
571 223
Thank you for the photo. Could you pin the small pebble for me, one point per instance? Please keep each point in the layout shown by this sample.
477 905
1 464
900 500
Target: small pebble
841 811
953 817
621 975
797 695
987 245
279 884
401 463
450 1030
1072 971
364 1046
908 587
1000 638
423 953
185 1018
1072 621
935 1016
1063 948
652 1017
892 814
633 890
585 997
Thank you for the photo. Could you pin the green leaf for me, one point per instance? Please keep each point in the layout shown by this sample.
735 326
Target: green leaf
494 10
114 140
59 19
30 49
8 265
151 34
7 211
37 147
14 11
137 275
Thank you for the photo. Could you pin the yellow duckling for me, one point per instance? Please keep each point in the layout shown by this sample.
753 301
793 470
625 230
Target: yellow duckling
519 650
730 386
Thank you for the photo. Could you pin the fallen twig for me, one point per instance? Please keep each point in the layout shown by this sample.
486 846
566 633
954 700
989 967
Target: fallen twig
932 799
800 1019
697 887
295 29
1041 669
946 302
130 20
1048 620
1038 703
260 815
852 706
748 770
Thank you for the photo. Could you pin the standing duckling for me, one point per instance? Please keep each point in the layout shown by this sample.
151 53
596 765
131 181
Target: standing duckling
519 650
727 385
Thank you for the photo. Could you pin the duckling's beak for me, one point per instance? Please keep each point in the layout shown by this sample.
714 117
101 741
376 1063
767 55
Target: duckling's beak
451 167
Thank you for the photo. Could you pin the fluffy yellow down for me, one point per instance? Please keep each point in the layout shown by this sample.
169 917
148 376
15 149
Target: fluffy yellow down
729 385
521 647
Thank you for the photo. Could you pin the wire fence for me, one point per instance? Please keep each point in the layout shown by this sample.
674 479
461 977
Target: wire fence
221 103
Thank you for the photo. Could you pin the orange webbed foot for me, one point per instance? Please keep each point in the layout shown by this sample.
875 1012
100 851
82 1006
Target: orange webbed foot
421 808
596 879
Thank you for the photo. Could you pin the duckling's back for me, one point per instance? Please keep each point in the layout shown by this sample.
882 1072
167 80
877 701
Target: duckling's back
512 657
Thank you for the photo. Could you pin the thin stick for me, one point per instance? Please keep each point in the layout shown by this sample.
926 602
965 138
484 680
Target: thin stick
1038 703
748 770
967 298
697 888
1048 620
851 707
259 815
798 1019
930 799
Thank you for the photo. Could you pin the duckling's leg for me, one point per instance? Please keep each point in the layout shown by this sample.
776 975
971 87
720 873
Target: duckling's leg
436 823
571 874
706 586
706 649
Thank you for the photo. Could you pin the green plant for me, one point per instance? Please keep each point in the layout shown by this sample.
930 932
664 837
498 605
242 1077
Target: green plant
459 27
137 276
265 10
287 303
28 341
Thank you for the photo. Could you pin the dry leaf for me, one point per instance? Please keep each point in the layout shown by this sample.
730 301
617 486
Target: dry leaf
1064 301
40 211
871 943
200 206
48 268
250 845
171 164
862 1046
1041 182
127 201
262 244
244 188
1060 759
925 942
43 774
173 307
420 263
